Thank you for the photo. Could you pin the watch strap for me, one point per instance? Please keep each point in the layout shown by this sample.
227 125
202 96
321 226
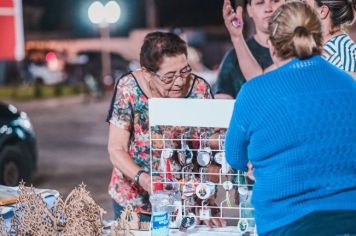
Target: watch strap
137 176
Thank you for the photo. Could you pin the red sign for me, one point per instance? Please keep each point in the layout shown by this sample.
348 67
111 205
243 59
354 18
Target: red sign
11 30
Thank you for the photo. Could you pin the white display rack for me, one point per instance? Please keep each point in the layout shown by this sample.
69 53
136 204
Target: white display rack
203 114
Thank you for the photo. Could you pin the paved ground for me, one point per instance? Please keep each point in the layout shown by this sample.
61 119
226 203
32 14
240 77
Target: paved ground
72 138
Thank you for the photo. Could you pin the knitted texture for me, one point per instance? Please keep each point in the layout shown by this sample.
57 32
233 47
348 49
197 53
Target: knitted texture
297 126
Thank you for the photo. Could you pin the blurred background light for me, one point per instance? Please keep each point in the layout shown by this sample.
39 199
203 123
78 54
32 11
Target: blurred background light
103 15
112 12
96 12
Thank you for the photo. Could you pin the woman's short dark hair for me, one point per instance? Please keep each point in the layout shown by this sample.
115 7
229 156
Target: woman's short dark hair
156 45
342 11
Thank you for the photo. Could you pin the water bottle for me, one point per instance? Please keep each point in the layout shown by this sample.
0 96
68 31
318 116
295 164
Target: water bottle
159 221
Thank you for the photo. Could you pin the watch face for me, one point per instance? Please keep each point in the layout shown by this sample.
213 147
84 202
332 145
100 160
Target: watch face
218 157
243 190
203 158
227 185
205 190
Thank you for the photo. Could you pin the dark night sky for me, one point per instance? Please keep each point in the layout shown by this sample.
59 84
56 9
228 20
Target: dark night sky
70 16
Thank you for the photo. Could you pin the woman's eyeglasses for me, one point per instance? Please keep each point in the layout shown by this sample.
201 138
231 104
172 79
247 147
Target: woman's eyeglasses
171 76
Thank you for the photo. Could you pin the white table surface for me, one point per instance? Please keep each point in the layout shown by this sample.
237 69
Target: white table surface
198 231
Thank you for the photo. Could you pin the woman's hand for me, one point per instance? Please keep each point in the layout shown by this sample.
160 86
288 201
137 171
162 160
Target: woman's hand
145 181
233 20
250 171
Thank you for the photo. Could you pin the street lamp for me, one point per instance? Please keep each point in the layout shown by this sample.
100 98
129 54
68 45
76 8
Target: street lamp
102 16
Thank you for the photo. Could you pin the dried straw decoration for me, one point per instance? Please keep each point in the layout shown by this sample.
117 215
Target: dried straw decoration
78 215
129 220
3 231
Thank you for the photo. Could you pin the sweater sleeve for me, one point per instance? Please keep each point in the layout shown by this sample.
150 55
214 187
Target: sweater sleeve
237 135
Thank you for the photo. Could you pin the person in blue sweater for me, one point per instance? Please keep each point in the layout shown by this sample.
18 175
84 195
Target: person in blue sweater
296 127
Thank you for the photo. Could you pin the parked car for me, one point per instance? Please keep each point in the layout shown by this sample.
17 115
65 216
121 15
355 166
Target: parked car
44 67
18 149
41 74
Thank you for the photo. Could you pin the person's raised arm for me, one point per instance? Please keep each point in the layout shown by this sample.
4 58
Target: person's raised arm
234 24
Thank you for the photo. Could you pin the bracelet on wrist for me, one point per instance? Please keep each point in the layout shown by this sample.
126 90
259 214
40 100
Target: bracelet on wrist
137 176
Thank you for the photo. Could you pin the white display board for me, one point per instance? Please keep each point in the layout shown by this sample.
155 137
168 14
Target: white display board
190 112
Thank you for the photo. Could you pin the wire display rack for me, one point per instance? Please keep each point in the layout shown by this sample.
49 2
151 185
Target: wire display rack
192 167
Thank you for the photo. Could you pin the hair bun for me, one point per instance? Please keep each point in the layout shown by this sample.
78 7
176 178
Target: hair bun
301 31
303 42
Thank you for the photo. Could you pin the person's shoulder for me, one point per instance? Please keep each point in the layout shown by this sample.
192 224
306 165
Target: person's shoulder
252 43
127 80
349 44
230 55
335 42
199 81
199 86
260 52
229 61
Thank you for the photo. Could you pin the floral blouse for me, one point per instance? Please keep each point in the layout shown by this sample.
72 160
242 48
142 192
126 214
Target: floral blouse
129 111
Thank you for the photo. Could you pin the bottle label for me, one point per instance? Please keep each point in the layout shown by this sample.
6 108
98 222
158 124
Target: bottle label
160 224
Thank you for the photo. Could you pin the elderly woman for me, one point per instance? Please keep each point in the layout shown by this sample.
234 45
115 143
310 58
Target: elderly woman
164 73
296 126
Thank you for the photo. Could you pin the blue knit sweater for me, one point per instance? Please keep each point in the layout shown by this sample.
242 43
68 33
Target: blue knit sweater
297 126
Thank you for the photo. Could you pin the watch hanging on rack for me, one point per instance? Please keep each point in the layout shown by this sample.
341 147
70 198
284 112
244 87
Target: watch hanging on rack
185 156
227 186
242 225
205 190
165 162
188 222
219 157
204 156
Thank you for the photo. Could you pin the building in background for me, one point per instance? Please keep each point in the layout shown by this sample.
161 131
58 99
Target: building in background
11 35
